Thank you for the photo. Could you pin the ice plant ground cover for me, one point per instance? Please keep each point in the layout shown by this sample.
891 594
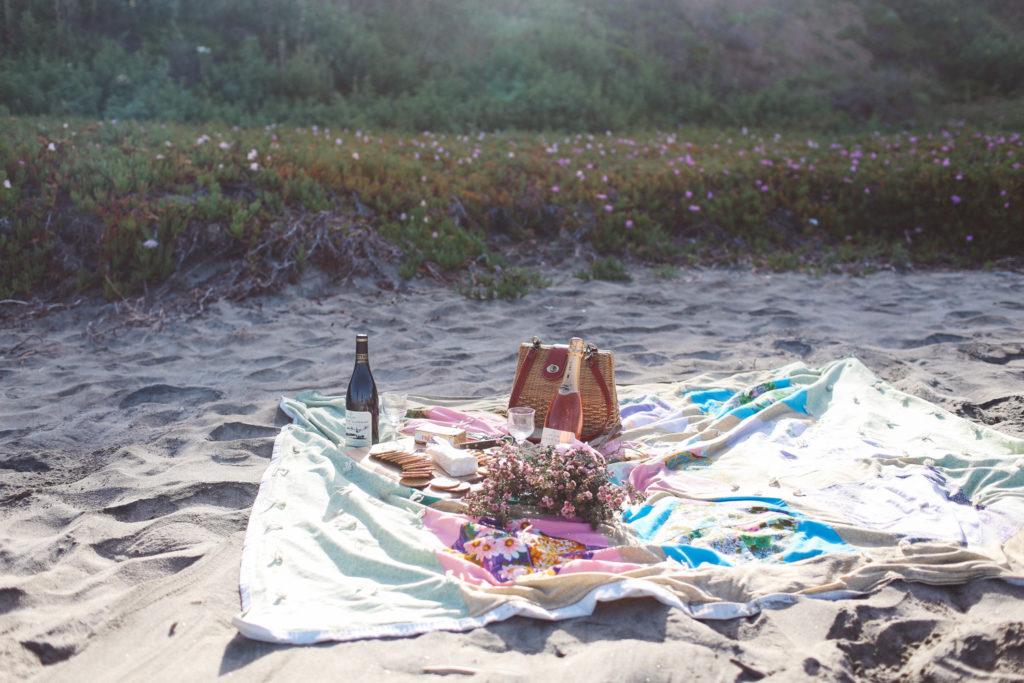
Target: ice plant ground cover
125 206
761 489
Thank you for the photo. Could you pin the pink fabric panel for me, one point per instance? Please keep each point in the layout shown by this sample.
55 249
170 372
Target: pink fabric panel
465 570
444 525
481 423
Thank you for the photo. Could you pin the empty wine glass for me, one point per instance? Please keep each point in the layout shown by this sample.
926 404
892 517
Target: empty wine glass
394 406
520 423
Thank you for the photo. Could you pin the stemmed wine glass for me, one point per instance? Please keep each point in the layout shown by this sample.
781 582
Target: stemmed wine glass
520 423
394 407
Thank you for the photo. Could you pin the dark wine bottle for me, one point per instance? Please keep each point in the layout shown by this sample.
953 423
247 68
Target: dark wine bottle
362 410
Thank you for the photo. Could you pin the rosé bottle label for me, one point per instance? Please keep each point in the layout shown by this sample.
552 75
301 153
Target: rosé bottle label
553 437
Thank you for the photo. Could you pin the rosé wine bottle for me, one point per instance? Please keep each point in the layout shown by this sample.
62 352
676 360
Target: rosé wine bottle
564 422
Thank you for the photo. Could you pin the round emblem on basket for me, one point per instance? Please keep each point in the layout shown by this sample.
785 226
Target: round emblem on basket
552 369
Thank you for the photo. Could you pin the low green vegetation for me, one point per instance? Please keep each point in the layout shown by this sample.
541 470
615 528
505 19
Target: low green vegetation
608 268
665 272
124 206
502 283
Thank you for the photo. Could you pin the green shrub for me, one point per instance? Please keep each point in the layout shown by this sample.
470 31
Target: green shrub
608 268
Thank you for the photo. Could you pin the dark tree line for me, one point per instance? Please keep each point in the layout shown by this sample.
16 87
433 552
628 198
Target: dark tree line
458 64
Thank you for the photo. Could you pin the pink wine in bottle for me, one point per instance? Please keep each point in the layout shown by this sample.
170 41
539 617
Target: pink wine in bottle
565 416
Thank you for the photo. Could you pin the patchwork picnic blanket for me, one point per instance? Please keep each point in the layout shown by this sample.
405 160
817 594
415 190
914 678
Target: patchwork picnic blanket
761 487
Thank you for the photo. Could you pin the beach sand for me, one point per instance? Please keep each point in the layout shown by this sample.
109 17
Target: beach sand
131 446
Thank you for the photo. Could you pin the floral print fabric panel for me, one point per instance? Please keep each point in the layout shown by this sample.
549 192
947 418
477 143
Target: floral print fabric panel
517 550
732 531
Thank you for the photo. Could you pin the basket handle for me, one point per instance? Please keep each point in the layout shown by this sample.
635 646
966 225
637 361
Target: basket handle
524 372
599 380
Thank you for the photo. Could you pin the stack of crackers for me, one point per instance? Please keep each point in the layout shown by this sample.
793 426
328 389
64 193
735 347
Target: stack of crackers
418 472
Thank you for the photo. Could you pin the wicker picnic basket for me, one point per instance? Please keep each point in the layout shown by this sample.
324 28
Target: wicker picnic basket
539 371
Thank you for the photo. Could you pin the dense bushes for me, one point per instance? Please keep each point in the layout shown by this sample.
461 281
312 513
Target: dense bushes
122 206
460 65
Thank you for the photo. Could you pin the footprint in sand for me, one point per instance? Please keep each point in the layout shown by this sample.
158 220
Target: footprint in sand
164 393
794 346
235 431
233 495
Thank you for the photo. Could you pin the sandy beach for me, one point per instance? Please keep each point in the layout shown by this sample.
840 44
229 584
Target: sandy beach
132 443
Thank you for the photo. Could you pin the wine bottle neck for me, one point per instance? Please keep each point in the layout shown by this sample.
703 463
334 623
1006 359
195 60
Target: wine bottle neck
571 379
362 351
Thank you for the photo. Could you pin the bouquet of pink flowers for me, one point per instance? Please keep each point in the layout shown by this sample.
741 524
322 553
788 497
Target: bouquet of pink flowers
571 483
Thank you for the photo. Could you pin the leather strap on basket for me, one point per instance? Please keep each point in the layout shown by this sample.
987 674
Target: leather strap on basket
599 380
524 372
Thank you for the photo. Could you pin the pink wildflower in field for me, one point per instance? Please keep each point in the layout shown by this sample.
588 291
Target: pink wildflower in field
511 155
225 145
694 208
711 195
337 141
252 155
7 184
555 189
355 155
955 199
150 244
629 224
970 238
689 195
608 208
52 147
254 166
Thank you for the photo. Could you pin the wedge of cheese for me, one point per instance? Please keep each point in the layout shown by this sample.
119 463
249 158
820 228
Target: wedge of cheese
454 461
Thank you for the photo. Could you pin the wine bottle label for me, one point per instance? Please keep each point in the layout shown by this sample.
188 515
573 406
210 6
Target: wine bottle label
553 437
358 429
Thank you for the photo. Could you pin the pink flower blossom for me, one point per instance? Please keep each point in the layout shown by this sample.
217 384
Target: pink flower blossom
555 189
694 208
629 223
608 208
955 199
